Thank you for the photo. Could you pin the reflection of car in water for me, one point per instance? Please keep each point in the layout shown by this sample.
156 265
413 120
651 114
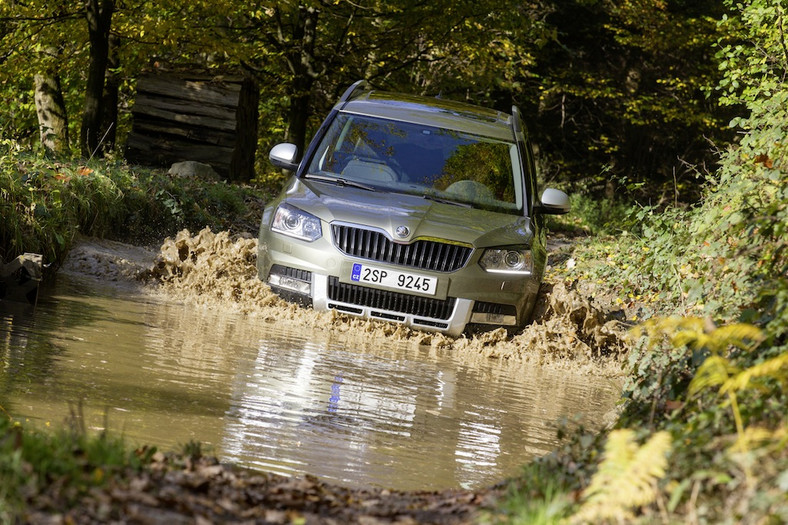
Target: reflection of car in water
413 210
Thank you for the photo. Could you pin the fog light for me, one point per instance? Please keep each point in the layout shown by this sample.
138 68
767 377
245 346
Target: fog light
490 318
494 313
290 283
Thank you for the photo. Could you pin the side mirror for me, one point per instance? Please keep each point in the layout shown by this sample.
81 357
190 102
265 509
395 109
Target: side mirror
554 202
284 156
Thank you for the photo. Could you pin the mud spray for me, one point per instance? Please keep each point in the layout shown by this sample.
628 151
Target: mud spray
216 270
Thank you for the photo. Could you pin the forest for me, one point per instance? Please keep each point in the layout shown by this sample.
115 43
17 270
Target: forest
666 121
621 97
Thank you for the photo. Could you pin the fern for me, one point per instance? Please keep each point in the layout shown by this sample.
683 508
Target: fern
759 437
627 477
699 333
776 367
718 371
714 371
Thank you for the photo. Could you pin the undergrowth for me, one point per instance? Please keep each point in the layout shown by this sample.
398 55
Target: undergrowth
703 434
45 203
57 467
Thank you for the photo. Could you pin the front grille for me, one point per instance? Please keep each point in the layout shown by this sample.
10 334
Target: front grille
391 301
375 246
295 273
494 308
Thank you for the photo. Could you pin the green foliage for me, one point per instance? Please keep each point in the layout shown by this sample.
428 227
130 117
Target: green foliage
45 203
635 114
627 477
545 491
600 215
619 95
711 368
33 462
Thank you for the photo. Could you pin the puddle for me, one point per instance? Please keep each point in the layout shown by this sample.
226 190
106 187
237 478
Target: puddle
204 352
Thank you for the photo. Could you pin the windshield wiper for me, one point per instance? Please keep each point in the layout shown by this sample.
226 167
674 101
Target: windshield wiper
446 201
339 181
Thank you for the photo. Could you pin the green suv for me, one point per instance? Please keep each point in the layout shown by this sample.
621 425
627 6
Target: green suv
411 210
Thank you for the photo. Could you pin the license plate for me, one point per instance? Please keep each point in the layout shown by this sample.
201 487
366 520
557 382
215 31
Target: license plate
403 281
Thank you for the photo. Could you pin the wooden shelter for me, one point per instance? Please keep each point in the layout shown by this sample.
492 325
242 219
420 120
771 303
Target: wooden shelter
183 116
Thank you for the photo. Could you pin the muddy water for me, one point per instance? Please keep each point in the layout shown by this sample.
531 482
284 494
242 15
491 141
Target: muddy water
289 396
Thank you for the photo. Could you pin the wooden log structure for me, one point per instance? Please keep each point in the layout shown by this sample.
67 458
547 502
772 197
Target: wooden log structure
182 116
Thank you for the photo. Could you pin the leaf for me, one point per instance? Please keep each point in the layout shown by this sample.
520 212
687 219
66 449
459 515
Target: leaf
714 371
776 367
741 335
756 437
627 477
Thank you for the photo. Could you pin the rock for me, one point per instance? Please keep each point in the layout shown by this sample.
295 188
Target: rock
191 168
19 278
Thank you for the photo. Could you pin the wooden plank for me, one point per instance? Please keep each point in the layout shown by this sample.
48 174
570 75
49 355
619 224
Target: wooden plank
161 152
143 103
194 116
242 165
194 120
156 128
221 94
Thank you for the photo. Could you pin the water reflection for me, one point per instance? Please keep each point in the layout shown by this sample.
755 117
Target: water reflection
354 411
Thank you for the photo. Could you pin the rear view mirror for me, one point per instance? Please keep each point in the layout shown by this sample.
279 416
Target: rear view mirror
284 156
554 202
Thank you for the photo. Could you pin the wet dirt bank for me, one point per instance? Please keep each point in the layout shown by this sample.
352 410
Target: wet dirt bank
572 331
179 490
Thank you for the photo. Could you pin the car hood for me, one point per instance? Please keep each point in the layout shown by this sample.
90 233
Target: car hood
423 218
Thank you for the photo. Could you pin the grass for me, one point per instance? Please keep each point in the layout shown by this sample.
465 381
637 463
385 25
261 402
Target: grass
45 203
57 467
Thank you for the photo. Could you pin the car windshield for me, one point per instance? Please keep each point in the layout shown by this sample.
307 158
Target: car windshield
411 158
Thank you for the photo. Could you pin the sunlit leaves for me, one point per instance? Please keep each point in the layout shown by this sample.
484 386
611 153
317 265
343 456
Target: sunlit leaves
627 477
632 72
701 333
753 72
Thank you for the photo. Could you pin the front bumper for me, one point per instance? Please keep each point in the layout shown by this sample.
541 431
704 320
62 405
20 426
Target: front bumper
317 273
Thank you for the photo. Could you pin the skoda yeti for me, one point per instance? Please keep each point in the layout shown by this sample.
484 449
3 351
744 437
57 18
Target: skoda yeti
411 210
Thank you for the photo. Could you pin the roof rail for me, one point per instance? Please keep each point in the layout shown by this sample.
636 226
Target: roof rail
357 85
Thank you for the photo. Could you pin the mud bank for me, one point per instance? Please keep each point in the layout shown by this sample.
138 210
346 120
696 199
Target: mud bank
571 329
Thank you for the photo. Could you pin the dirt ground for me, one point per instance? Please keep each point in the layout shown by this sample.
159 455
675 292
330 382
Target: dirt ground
177 490
574 327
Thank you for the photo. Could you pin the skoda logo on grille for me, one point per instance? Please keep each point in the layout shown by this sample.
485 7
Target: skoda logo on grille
402 232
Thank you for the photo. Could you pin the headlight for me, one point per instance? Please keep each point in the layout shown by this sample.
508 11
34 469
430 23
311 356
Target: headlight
507 260
296 223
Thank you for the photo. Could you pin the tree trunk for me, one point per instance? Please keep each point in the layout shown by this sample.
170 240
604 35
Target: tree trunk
301 61
98 14
51 111
111 98
246 118
297 117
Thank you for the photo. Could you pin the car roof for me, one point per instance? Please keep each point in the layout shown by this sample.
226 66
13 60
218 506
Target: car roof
442 113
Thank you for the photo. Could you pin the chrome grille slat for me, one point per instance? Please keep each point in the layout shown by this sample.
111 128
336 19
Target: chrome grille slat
390 301
422 254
